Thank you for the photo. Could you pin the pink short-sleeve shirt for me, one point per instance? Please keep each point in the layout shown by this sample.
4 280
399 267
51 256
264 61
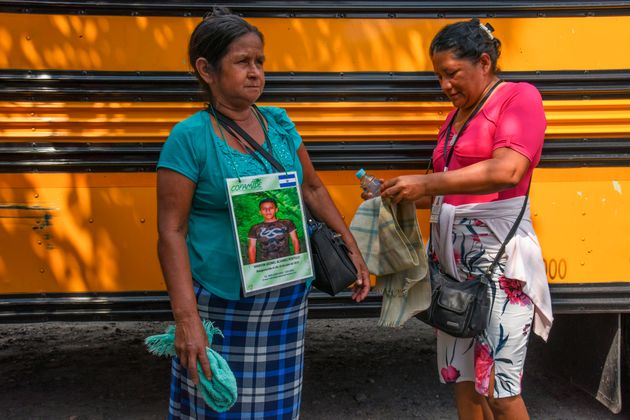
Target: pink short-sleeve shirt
512 117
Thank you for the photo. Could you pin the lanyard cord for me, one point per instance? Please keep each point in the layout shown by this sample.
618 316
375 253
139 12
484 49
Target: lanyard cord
211 108
463 127
232 127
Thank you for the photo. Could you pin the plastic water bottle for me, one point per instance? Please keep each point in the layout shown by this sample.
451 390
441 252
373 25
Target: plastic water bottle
369 183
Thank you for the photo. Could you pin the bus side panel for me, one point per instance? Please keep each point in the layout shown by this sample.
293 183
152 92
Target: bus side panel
97 232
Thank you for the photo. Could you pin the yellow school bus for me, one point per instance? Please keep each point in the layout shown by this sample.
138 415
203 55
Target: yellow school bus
89 90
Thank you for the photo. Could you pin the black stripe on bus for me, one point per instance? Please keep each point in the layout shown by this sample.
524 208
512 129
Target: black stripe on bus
326 156
292 86
327 9
577 298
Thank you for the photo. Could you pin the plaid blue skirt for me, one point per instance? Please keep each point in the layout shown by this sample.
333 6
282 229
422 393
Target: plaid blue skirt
264 345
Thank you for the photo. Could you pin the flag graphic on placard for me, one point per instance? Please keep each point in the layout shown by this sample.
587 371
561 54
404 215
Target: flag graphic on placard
287 180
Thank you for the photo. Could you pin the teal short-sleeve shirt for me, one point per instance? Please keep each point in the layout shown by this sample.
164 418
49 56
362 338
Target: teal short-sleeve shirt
194 150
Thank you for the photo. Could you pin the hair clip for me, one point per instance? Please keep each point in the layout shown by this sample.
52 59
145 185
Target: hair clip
487 29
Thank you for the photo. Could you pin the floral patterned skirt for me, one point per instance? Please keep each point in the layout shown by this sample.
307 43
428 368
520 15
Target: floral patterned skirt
503 345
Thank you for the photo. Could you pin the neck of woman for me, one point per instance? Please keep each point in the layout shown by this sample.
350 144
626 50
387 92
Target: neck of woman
465 112
239 115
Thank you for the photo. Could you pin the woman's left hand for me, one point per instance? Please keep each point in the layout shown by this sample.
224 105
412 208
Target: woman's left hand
361 287
405 187
366 195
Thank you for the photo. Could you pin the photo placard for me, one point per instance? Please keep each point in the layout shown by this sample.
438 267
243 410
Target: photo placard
267 214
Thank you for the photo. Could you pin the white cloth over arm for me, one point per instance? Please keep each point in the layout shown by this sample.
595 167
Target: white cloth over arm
391 244
523 252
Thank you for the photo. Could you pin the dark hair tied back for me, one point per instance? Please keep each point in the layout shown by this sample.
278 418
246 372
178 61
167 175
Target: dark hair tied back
212 37
468 40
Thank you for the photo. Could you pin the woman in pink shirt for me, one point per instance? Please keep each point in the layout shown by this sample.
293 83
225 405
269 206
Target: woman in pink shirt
475 200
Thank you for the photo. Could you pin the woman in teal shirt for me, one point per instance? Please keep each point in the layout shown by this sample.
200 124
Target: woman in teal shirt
263 334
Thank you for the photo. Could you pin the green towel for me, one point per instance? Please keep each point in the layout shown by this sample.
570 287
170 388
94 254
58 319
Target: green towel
389 239
220 392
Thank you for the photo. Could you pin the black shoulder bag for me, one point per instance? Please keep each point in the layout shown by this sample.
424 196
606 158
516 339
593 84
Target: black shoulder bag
462 309
334 269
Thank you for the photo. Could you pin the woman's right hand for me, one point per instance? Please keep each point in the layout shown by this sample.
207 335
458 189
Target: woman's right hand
191 342
365 195
405 188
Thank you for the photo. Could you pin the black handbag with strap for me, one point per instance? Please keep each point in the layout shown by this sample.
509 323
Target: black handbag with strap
333 267
462 308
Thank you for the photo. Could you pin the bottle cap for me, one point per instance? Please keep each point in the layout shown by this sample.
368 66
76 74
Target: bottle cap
360 173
